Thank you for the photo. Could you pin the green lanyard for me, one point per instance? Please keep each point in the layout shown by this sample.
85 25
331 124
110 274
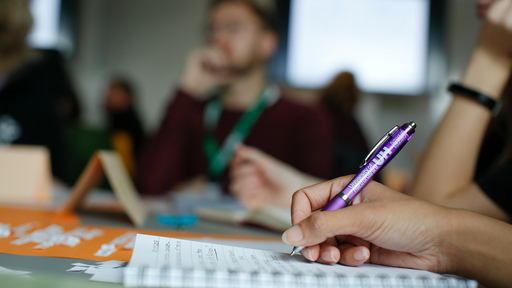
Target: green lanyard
219 157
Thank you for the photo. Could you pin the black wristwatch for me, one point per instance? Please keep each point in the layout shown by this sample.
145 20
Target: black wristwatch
493 104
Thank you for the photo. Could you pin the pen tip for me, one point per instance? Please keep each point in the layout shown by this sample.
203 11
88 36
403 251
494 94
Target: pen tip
293 253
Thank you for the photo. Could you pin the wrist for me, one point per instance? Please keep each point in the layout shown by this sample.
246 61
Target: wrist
494 105
487 72
450 246
477 247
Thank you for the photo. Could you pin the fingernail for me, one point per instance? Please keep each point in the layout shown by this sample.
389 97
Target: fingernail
306 253
361 254
292 235
328 256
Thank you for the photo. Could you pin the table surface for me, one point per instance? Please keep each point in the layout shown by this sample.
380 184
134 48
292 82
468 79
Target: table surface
51 271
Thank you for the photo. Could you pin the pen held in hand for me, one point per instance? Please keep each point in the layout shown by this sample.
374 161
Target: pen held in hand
380 155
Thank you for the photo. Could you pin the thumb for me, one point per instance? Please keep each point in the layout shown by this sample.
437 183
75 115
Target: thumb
238 157
323 225
358 219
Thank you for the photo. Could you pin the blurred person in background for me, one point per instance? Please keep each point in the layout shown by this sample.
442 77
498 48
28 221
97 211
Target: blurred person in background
123 122
350 146
36 96
123 131
225 98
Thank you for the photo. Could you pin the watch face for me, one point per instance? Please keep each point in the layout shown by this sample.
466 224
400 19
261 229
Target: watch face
10 129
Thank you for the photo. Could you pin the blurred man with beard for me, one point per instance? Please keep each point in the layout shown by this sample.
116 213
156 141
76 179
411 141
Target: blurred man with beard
224 98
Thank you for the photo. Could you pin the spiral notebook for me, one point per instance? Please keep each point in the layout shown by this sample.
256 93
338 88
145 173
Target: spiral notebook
168 262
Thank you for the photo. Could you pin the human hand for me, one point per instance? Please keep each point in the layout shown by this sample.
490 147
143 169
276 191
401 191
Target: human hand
497 30
491 62
482 7
205 71
197 183
258 179
381 227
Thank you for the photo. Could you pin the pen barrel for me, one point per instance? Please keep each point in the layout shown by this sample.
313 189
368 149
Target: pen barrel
336 203
378 161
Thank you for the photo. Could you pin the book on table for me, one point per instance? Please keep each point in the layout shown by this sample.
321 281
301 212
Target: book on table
271 218
168 262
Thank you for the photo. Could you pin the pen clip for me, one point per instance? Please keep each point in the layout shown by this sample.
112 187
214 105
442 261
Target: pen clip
379 144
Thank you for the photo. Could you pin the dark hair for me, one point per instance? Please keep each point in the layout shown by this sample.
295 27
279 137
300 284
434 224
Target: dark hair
497 145
265 15
341 94
15 24
503 121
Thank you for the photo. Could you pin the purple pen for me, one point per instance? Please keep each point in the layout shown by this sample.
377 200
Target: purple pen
381 154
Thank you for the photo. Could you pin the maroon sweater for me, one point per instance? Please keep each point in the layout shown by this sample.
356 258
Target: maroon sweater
296 134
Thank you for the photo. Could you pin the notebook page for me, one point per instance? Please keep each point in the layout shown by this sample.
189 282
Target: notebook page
192 261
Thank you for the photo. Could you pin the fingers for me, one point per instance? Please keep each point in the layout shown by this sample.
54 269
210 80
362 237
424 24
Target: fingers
313 198
482 7
508 17
500 14
318 227
248 190
311 253
352 255
213 58
202 72
347 253
245 182
354 251
249 154
245 154
499 11
345 235
357 220
242 170
329 254
237 157
322 253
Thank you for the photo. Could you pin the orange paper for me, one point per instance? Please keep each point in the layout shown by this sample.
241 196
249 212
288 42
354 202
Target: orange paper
86 248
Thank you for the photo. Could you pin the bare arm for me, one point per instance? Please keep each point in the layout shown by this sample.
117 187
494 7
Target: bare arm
480 248
445 174
388 228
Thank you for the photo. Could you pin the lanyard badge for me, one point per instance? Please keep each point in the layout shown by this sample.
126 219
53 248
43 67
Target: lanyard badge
220 156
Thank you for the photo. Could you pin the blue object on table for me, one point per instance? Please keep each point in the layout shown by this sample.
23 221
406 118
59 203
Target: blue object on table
178 220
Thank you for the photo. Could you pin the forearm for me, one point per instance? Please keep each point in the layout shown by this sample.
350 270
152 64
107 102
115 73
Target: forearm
480 248
449 162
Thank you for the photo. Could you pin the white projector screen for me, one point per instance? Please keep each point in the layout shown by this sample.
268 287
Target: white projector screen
383 42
